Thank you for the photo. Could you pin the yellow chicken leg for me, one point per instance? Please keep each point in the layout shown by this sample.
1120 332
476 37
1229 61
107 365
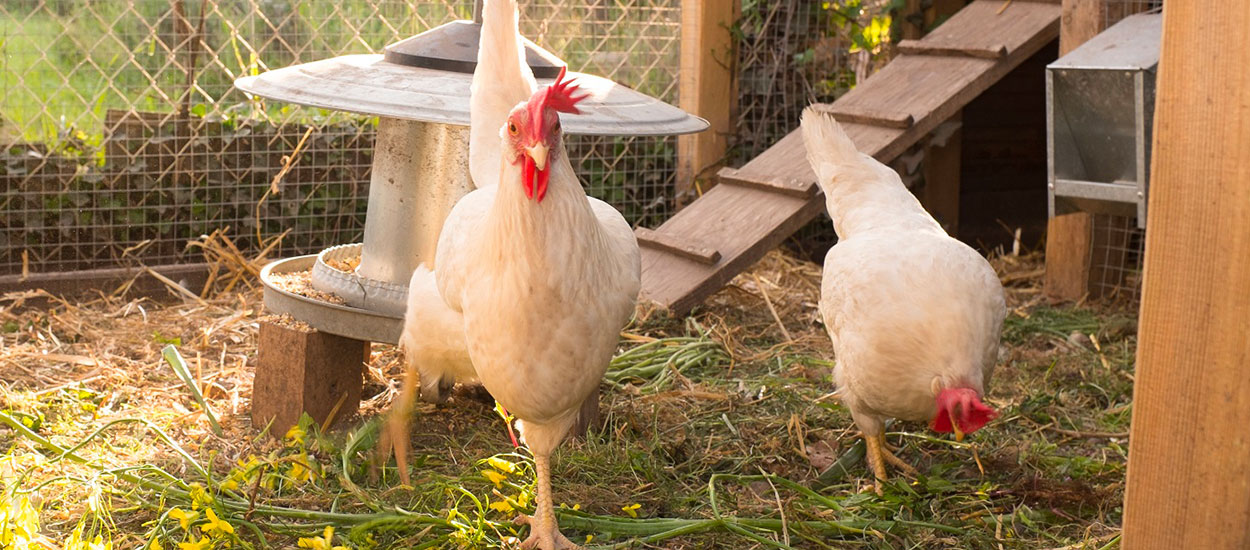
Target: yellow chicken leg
878 455
544 534
395 432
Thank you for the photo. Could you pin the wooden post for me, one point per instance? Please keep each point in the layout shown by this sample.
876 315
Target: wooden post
1069 237
1189 462
707 86
302 370
941 179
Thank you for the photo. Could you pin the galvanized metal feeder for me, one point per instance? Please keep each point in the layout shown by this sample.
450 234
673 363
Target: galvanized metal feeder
1100 114
419 89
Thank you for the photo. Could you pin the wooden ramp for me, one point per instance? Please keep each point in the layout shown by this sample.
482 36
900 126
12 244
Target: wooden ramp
754 208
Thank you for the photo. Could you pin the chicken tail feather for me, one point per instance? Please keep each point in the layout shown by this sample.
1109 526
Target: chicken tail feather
828 147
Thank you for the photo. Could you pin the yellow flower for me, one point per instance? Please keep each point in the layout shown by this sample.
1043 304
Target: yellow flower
632 510
155 545
502 506
230 485
299 472
196 544
216 524
494 477
199 497
589 538
184 517
99 544
296 435
501 464
321 543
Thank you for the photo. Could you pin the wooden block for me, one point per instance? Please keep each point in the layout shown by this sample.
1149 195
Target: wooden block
1189 461
802 189
920 47
681 246
300 369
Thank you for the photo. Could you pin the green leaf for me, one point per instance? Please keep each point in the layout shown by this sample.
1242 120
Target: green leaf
171 355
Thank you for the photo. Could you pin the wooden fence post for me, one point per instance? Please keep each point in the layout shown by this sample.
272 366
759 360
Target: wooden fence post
707 86
1069 237
1189 462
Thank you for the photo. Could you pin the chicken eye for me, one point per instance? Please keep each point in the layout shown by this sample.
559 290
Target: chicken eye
512 128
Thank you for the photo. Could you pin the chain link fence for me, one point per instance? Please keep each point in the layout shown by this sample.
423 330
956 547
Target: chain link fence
122 137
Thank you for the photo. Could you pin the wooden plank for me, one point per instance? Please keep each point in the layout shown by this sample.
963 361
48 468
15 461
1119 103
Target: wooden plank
1189 462
920 47
981 26
681 246
792 187
1069 237
865 115
706 86
744 223
109 279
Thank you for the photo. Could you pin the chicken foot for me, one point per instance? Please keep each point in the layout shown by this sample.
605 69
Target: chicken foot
544 533
879 454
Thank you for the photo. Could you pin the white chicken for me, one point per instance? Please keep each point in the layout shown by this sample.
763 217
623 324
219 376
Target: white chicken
545 278
433 339
541 276
914 314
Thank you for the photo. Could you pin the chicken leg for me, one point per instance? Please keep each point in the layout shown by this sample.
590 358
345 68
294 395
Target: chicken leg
878 454
544 533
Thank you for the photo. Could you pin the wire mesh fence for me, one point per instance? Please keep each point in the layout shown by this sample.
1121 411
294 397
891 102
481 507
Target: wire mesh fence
122 136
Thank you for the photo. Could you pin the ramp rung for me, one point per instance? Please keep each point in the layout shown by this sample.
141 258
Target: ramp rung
861 115
920 47
791 187
680 246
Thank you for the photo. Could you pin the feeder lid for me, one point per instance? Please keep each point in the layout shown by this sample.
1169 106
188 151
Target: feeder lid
427 77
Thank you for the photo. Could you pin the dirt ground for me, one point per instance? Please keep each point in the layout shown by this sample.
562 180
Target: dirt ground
723 449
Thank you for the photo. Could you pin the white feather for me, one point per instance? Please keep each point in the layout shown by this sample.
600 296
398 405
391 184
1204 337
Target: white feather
501 80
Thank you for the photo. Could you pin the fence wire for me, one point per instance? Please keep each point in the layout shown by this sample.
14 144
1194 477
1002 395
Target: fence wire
122 136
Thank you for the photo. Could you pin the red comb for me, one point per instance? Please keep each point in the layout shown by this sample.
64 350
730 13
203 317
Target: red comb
560 95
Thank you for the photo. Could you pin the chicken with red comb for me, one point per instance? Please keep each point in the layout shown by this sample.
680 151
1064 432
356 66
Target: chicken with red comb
543 276
914 315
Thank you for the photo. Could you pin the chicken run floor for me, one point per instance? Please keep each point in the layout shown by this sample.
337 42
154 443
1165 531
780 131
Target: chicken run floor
1049 473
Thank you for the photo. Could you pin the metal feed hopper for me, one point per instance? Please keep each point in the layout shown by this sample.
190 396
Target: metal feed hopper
419 89
1100 113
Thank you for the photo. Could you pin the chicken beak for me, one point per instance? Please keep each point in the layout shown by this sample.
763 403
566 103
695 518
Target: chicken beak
959 434
538 152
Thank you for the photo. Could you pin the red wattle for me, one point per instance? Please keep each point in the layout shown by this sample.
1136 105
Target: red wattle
543 176
527 175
